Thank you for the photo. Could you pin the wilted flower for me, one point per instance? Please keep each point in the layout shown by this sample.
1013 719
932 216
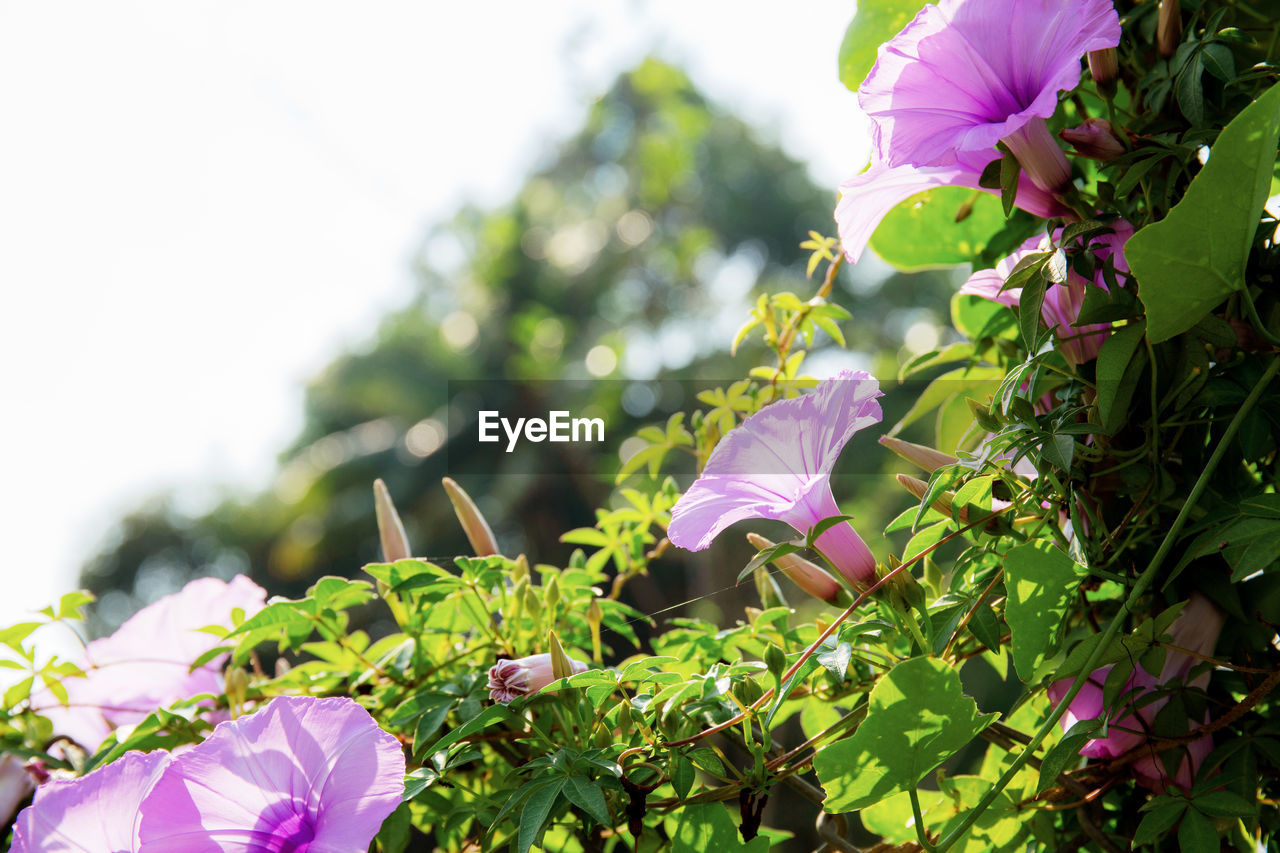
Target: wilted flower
1196 630
1062 302
145 664
97 813
300 774
867 198
966 74
1095 138
511 679
777 464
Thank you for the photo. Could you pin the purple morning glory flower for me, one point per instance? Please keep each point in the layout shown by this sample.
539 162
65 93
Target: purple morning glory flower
511 679
97 813
1196 629
777 464
1062 302
966 74
144 664
867 198
301 775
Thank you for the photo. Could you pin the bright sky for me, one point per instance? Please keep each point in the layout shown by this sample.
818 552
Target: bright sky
202 202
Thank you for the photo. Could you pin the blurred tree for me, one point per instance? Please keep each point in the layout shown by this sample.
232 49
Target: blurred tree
633 255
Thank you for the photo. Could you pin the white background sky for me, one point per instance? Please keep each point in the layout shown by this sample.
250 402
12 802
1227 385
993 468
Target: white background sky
202 202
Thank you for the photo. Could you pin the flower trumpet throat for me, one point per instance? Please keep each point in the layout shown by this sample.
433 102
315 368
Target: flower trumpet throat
777 464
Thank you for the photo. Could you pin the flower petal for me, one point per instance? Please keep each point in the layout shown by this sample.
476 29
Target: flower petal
301 769
97 813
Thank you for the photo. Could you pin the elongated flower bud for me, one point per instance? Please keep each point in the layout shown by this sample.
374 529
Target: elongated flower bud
1169 27
1096 139
811 578
917 454
395 542
1104 67
237 689
511 679
595 617
479 534
1039 156
942 503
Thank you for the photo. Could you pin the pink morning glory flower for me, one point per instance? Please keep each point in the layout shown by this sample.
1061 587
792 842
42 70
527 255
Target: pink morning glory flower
144 664
1195 629
777 464
511 679
97 813
301 775
1062 302
966 74
867 198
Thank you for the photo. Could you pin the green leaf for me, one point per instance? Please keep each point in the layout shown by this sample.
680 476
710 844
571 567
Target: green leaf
682 776
535 811
1010 169
1064 752
922 232
1120 362
1195 257
1223 803
1157 821
1197 834
917 718
877 21
1041 582
586 795
707 826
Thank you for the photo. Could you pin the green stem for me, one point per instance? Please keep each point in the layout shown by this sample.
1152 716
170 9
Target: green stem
1139 587
922 837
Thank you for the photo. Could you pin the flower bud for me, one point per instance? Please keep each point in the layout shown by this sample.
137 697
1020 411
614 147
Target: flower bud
237 689
532 603
942 503
811 578
520 570
395 542
1104 67
479 534
1095 139
1169 27
917 454
511 679
551 595
595 617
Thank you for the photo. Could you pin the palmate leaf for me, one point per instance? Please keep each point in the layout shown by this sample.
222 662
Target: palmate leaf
1195 257
917 718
